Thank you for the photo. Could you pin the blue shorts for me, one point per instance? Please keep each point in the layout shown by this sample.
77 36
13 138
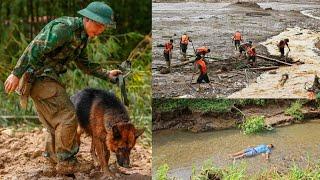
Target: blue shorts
250 152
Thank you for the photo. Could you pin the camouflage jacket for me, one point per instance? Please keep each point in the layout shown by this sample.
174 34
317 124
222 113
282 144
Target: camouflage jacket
59 42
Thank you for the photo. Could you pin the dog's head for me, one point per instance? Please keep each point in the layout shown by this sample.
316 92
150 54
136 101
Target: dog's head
122 140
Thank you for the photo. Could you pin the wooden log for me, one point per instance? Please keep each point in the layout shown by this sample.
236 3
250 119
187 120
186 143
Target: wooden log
183 63
265 68
207 57
275 60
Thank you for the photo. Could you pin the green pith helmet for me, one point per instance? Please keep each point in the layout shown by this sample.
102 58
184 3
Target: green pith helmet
99 12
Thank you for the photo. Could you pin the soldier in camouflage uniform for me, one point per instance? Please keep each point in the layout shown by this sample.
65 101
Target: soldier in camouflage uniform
59 42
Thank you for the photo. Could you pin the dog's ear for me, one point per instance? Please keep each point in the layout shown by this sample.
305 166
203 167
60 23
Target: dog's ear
116 132
139 132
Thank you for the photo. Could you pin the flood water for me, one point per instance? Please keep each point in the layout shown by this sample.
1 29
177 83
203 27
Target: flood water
181 150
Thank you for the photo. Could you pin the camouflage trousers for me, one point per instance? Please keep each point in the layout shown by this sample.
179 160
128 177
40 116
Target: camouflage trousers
57 113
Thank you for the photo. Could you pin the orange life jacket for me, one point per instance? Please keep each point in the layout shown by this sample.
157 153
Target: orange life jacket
202 50
237 36
184 39
251 52
167 48
203 66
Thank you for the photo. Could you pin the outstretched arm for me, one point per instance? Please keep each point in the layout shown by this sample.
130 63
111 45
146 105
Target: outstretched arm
95 69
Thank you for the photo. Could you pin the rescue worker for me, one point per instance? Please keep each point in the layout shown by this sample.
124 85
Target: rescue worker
251 51
243 47
281 45
236 38
201 69
61 41
202 50
184 41
167 53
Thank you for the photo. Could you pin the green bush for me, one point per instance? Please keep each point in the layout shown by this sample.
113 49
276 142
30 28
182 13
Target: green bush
257 102
162 172
209 171
295 110
203 105
253 125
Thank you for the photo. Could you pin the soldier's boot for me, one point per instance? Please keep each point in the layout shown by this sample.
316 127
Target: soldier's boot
49 153
73 166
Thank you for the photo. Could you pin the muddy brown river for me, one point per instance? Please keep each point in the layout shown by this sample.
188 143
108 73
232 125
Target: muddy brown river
296 144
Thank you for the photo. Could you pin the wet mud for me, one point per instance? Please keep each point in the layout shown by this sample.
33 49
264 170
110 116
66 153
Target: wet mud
21 158
213 24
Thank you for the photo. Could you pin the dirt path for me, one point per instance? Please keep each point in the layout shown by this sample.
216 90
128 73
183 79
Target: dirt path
21 158
213 24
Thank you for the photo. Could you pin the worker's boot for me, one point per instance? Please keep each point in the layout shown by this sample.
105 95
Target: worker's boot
184 57
72 166
168 65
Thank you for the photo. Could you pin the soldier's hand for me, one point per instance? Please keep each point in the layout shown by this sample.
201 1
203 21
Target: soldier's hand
114 73
11 83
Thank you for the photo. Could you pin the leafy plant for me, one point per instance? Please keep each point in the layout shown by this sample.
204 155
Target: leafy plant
208 171
295 110
253 125
162 172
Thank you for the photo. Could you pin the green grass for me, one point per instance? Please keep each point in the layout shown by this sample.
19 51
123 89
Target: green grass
295 110
202 105
253 125
209 171
239 172
162 172
258 102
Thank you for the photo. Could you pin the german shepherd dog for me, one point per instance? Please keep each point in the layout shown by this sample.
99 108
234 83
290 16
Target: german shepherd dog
101 115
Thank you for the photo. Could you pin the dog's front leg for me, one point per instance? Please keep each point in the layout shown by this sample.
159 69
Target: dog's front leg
102 156
93 154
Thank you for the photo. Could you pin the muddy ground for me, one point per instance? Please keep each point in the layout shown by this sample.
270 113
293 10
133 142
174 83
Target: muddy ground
213 24
21 158
185 119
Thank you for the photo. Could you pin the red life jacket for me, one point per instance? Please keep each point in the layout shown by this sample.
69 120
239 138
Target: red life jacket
251 52
202 50
167 48
184 39
203 66
237 36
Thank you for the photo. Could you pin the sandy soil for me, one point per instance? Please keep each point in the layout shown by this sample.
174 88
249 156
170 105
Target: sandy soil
303 48
21 158
213 24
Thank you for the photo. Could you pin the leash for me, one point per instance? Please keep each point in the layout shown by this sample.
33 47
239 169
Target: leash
125 67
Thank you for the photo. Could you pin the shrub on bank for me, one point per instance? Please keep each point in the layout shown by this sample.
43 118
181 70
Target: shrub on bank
253 125
295 110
